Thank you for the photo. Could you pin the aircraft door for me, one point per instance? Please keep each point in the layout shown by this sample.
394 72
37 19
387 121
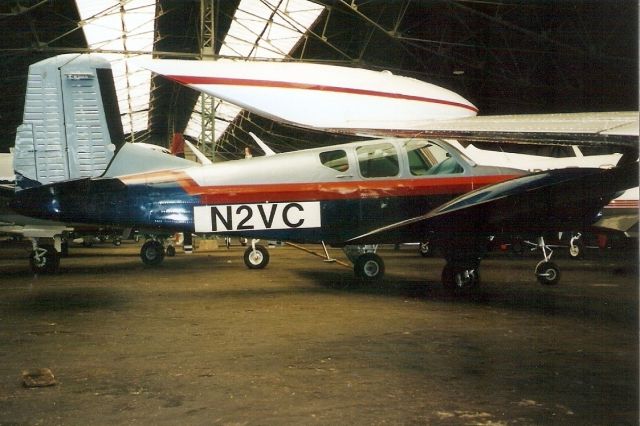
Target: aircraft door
377 163
336 217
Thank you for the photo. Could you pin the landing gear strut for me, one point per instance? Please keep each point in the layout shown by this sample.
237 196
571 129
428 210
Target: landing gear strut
547 272
576 246
45 258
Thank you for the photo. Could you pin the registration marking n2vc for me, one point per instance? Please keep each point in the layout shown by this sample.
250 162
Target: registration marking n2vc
261 216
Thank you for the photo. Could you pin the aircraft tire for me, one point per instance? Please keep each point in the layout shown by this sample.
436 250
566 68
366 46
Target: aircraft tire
46 263
547 273
171 251
425 249
576 251
369 267
152 253
256 259
460 278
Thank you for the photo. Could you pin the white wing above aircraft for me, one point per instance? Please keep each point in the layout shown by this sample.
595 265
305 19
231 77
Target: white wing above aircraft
319 96
358 101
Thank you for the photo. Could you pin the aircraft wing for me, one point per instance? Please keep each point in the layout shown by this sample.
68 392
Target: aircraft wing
617 128
362 102
558 199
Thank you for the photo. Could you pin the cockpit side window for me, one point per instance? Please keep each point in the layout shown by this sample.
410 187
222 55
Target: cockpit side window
379 160
336 160
426 158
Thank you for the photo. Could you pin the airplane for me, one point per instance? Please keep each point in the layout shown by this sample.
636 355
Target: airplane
364 102
385 190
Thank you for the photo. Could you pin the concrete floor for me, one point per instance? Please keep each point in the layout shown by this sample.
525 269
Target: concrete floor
203 340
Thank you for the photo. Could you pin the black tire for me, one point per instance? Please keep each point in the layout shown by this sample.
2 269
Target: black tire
256 259
547 273
152 253
460 278
576 251
425 250
369 267
171 251
47 262
117 242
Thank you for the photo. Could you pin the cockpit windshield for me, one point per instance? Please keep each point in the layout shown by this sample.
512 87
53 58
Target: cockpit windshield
427 158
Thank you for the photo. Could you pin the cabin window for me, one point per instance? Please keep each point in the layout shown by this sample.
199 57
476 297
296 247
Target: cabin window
379 160
336 160
426 158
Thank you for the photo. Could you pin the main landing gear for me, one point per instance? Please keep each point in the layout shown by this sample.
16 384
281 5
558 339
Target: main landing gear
367 265
45 258
547 272
461 276
152 252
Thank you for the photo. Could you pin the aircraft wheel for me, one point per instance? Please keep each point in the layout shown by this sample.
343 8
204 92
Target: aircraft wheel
576 250
425 250
455 277
369 267
256 259
171 251
152 253
117 242
547 273
44 259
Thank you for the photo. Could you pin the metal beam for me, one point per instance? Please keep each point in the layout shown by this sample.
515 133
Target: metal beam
207 102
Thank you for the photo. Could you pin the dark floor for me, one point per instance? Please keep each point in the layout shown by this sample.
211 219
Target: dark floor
203 340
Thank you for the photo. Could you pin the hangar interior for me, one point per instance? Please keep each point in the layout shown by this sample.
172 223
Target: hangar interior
506 57
202 339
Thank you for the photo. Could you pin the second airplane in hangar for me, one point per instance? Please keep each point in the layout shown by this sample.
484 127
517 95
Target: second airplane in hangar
379 191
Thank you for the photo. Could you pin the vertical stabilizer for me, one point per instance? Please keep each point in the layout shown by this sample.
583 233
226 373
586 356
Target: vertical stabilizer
71 124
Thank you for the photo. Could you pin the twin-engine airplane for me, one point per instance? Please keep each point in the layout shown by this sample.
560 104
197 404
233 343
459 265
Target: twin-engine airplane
389 190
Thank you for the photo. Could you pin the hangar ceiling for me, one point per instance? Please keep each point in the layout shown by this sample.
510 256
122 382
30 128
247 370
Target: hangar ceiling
504 56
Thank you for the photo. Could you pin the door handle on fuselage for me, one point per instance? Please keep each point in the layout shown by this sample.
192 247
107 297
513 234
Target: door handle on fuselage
344 176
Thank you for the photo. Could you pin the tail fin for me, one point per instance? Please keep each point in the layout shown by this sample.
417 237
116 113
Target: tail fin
71 124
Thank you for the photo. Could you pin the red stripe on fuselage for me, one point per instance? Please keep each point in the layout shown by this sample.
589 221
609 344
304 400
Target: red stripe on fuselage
316 191
325 191
187 79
